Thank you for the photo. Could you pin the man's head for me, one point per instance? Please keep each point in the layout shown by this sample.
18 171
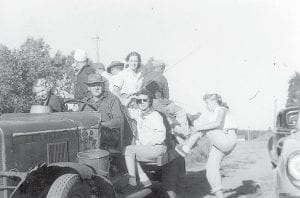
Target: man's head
154 89
115 67
99 68
158 65
41 88
144 99
81 59
95 85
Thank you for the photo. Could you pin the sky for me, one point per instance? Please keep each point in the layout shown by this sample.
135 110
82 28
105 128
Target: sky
245 50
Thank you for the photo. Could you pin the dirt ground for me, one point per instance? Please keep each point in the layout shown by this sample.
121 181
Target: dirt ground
246 173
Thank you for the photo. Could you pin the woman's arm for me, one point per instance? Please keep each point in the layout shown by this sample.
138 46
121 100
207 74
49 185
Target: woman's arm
215 124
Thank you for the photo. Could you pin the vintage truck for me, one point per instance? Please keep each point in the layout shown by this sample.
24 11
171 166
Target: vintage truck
42 155
284 151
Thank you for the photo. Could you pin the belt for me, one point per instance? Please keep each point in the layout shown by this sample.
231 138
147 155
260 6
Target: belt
162 144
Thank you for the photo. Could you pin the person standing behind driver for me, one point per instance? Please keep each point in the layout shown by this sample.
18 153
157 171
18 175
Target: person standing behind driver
100 70
112 72
156 75
82 69
129 81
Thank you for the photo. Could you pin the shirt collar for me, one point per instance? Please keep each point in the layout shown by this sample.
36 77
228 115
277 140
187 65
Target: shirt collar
103 96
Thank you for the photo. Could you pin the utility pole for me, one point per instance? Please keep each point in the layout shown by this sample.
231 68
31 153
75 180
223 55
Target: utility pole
97 38
275 112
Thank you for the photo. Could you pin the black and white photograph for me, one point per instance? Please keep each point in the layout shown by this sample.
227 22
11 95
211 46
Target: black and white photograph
149 99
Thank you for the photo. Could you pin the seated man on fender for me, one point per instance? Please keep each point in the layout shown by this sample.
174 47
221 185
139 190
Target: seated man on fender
108 105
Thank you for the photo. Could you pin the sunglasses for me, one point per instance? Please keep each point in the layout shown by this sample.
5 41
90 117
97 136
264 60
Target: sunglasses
97 84
140 101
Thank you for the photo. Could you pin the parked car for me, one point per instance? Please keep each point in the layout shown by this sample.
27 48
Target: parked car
50 155
284 150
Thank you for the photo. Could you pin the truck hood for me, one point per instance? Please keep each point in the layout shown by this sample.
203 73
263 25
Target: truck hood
26 122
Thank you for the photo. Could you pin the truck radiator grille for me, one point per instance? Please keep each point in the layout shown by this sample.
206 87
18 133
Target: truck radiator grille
57 152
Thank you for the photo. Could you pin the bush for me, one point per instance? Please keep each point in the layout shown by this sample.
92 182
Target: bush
20 67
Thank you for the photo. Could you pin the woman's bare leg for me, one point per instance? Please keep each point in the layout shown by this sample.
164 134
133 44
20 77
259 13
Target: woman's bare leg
142 175
130 164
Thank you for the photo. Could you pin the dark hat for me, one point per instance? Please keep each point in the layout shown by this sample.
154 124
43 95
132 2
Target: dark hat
98 66
94 78
114 64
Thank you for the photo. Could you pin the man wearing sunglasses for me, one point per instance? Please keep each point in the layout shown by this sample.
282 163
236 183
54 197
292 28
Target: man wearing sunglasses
108 105
149 140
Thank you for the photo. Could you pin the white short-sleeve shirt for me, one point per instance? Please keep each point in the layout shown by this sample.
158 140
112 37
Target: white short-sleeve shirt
229 122
111 79
128 81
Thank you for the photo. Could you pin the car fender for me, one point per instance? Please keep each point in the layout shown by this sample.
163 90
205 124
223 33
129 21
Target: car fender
284 185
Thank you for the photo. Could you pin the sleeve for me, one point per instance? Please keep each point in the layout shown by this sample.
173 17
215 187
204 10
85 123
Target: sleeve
119 80
133 113
116 108
165 87
159 130
55 103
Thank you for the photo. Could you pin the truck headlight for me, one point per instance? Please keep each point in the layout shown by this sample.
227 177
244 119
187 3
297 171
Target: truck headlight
293 165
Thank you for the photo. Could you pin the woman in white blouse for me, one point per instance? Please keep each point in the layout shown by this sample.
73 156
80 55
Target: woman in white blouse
129 81
221 131
149 140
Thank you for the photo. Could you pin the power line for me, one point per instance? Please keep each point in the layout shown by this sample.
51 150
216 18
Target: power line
97 38
185 56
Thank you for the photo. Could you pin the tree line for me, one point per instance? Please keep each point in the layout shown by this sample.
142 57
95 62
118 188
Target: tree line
20 67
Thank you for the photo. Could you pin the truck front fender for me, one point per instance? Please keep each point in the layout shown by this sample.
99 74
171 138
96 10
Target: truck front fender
40 178
85 171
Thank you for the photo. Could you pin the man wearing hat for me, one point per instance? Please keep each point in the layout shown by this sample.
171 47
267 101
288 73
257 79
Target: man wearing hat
100 70
111 72
82 69
115 67
158 67
108 105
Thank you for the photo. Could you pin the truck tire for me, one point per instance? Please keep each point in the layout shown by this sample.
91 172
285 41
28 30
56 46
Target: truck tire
69 186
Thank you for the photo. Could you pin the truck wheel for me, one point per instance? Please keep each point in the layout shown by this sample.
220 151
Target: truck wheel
69 186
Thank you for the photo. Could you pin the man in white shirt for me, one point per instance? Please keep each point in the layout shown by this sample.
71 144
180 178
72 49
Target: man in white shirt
112 72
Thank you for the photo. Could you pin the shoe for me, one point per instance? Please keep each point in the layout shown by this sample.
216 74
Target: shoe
146 183
180 151
129 189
